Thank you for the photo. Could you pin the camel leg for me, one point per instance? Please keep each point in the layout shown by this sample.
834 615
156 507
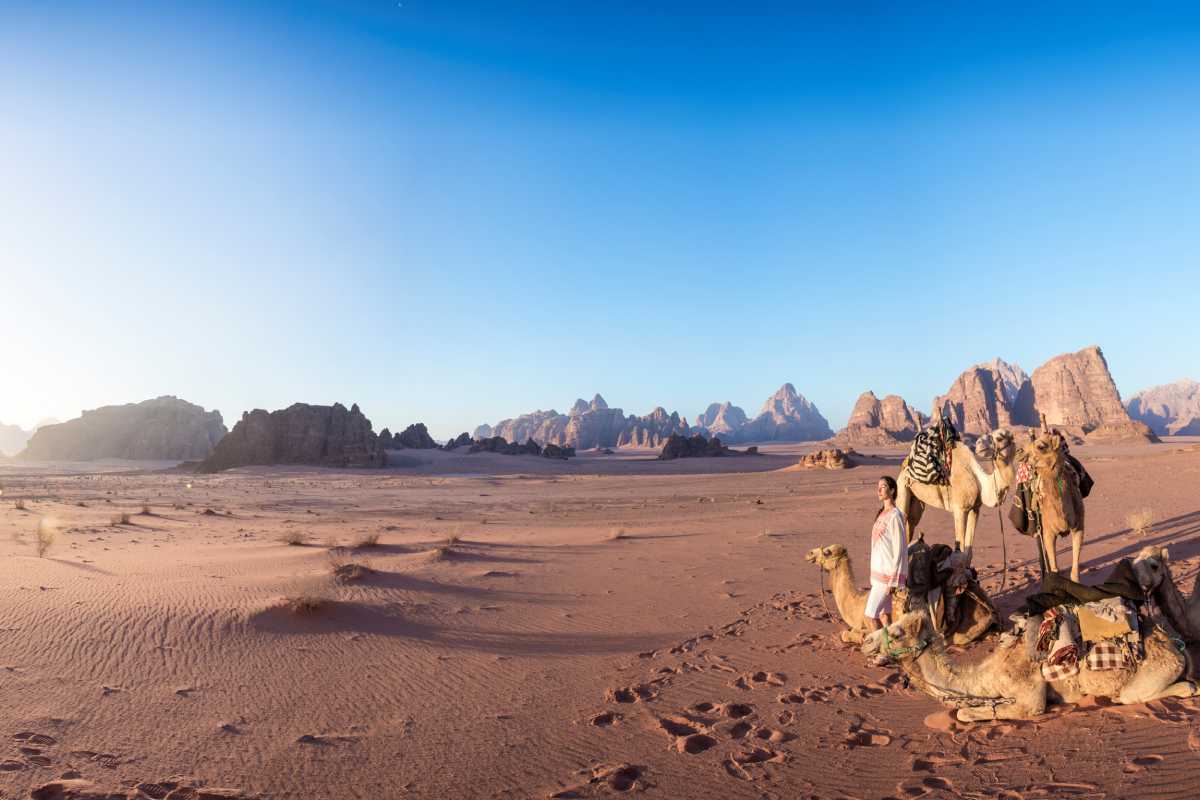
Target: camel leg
1076 546
971 520
1135 693
1048 548
1028 704
960 527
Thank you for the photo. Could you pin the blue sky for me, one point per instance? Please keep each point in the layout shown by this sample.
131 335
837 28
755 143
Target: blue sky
457 212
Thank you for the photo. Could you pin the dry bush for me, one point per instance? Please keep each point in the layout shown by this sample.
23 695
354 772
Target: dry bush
442 553
19 505
343 569
47 533
294 538
1139 522
617 533
146 511
119 519
367 540
307 603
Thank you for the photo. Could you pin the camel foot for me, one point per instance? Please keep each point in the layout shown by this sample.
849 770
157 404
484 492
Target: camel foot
1177 689
852 637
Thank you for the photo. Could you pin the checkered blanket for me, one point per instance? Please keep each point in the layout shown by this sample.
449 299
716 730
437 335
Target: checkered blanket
1107 655
1056 672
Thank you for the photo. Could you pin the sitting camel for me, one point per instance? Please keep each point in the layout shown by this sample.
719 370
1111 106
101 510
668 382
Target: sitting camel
970 487
1154 576
1056 497
1008 684
975 621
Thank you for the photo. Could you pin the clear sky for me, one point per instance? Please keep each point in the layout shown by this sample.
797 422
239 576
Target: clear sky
457 212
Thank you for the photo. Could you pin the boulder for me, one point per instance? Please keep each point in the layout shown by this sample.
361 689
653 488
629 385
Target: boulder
1076 389
165 428
415 437
1172 409
327 436
831 458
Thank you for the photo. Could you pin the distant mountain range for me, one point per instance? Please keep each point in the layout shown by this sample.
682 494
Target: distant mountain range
1173 408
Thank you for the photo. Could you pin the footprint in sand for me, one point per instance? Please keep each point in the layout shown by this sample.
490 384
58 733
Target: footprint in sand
630 694
618 778
757 680
1142 763
605 719
739 764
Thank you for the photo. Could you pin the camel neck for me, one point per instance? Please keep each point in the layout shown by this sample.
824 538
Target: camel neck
841 580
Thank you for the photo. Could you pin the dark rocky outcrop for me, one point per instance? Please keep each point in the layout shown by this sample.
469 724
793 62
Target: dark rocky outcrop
652 430
461 440
386 440
696 446
1171 409
326 436
498 444
165 428
414 437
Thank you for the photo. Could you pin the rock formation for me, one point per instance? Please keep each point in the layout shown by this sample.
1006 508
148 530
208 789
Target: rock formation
652 430
986 397
13 439
414 437
833 458
880 423
678 446
327 436
720 419
462 439
786 417
1121 433
1172 409
1075 390
497 444
165 428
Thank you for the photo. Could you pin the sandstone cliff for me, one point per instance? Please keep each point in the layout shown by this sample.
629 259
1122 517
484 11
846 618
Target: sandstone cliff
720 419
1173 408
165 428
1077 390
652 430
786 416
13 439
880 423
327 436
986 397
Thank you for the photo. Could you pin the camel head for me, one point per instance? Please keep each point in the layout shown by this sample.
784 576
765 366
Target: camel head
997 445
1045 453
905 638
1150 567
827 557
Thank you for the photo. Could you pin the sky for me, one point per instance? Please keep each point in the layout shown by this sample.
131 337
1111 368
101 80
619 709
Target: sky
459 212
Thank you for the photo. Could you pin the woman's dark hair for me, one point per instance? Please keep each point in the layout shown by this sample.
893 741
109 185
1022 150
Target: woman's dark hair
890 482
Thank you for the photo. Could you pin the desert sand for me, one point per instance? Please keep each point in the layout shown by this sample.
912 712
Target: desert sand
603 626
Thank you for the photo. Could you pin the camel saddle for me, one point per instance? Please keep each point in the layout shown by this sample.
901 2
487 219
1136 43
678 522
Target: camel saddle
931 454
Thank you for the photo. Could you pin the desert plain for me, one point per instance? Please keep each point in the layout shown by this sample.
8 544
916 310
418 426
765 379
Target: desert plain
518 627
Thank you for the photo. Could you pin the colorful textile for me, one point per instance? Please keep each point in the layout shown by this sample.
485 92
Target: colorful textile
1107 655
1056 672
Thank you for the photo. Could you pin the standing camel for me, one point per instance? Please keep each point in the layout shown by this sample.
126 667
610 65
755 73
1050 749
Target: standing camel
1008 684
1056 497
970 487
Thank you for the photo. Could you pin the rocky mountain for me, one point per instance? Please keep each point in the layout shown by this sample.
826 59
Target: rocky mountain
587 426
720 419
165 428
1077 390
652 430
988 396
1173 408
327 436
13 439
787 416
880 423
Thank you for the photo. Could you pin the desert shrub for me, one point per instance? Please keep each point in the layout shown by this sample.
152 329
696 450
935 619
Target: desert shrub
307 603
47 533
294 538
1139 522
617 533
367 540
19 505
343 569
119 519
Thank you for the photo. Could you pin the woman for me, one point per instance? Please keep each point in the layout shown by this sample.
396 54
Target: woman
889 556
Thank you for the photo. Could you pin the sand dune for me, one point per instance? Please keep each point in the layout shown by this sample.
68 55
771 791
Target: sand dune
522 628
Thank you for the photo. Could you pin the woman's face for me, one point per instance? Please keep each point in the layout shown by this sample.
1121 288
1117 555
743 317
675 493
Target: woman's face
881 489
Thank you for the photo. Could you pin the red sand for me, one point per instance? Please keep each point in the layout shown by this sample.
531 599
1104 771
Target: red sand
603 626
